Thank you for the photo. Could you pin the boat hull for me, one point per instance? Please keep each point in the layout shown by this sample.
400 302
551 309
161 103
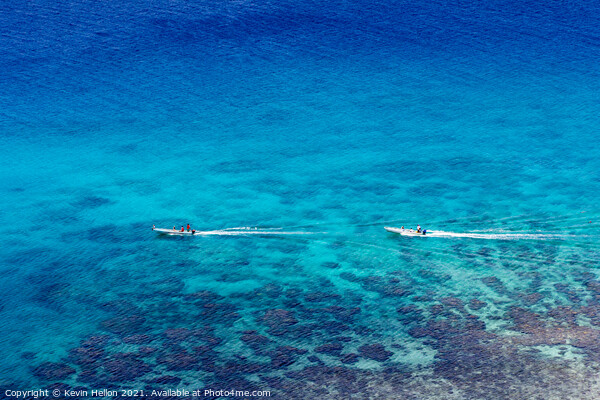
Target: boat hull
173 232
403 232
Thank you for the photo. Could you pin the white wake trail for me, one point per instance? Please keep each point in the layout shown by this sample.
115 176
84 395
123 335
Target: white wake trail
501 236
245 232
239 231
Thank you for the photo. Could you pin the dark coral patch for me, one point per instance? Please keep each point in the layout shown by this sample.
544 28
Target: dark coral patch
475 304
525 321
571 294
530 299
375 352
125 367
85 355
410 313
284 356
473 323
436 309
564 314
334 327
422 299
254 340
205 353
495 283
439 329
53 371
138 339
88 375
330 348
380 285
205 333
97 341
179 361
178 334
145 351
232 368
395 290
453 302
279 360
349 358
278 318
408 309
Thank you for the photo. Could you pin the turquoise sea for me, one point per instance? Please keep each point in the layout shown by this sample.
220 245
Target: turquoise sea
316 124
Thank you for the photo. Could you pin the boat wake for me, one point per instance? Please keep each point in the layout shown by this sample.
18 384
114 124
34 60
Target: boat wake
489 236
245 232
240 231
502 236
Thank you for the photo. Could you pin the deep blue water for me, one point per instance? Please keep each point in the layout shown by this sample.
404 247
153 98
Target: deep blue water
329 119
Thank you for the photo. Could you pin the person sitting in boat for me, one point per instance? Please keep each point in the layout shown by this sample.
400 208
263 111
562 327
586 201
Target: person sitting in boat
188 227
193 231
418 228
424 231
174 228
182 228
402 227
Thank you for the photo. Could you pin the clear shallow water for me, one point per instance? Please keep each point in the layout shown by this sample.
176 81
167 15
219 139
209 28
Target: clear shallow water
335 119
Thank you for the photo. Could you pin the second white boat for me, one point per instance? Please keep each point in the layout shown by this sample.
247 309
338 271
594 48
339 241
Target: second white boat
404 232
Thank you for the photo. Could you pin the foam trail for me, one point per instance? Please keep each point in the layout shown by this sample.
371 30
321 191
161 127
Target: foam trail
500 236
588 225
239 231
245 232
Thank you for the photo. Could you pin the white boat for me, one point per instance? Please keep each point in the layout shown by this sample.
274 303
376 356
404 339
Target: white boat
404 232
174 232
